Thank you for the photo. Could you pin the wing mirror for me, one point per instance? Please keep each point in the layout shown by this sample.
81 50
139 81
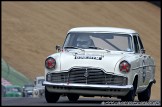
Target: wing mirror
58 48
143 51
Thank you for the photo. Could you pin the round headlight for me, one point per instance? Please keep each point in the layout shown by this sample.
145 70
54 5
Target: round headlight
50 63
124 66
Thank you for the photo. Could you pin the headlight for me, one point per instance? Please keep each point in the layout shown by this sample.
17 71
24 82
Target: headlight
124 66
50 63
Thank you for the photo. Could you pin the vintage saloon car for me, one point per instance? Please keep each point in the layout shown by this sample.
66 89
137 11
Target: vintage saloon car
99 61
38 89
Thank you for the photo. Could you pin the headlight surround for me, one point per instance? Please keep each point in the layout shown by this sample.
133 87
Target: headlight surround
50 63
124 66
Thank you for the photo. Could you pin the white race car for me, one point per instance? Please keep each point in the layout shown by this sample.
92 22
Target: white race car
99 61
38 90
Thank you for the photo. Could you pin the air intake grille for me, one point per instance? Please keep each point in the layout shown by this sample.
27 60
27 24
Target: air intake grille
87 76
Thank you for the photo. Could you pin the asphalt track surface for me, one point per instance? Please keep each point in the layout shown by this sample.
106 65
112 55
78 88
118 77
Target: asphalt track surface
83 101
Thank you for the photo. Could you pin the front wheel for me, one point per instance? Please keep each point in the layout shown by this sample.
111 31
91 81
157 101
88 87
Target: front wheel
73 97
129 97
145 95
131 94
51 97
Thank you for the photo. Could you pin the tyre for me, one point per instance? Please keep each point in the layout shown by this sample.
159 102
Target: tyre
145 95
129 97
51 97
131 94
23 94
35 93
73 97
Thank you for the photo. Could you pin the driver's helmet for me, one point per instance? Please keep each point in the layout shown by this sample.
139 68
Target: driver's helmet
83 41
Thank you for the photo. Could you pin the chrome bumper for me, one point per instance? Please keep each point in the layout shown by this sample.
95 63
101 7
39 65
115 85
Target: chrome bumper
86 89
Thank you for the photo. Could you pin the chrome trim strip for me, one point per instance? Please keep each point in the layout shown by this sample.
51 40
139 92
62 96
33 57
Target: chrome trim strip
129 87
142 67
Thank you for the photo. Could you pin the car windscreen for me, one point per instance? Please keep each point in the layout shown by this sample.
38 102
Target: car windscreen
110 41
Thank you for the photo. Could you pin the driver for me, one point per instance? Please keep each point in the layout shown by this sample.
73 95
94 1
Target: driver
84 41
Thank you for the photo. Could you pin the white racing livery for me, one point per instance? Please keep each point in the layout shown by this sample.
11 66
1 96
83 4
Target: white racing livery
99 61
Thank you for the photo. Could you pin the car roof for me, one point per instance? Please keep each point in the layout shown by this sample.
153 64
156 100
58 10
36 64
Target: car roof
102 29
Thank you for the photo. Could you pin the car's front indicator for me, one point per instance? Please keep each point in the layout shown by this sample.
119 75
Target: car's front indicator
50 63
124 67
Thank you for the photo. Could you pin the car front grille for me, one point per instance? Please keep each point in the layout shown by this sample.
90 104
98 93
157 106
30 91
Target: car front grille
87 76
59 77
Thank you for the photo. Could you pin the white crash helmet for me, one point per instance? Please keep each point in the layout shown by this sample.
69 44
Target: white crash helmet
83 41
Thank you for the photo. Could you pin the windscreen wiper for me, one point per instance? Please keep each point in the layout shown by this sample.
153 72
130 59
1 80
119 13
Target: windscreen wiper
72 47
94 47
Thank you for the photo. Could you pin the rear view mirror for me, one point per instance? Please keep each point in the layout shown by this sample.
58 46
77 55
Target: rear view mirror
105 36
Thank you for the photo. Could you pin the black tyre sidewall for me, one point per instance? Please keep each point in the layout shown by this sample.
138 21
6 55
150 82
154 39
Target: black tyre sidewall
145 95
73 97
51 97
131 94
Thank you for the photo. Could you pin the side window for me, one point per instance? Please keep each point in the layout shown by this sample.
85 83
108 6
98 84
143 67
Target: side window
136 46
140 43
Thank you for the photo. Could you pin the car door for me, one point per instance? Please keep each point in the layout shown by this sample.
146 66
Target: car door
139 61
146 74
